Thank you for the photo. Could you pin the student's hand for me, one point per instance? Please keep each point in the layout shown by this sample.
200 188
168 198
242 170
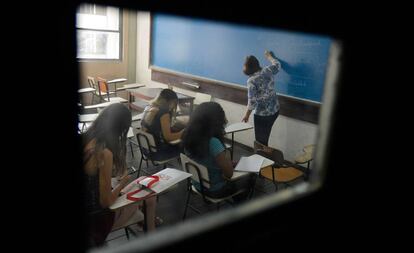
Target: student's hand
234 163
124 180
269 54
245 119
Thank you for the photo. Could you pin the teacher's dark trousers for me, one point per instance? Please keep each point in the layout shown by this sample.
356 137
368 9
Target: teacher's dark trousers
263 126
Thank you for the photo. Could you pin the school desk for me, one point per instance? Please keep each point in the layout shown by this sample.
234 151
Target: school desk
173 175
112 100
130 86
255 171
147 94
115 82
307 156
236 127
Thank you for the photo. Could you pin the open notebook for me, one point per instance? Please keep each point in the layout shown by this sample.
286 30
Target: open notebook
252 163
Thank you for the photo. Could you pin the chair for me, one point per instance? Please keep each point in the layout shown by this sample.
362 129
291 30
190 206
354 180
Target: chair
282 172
306 157
103 90
150 152
200 175
92 84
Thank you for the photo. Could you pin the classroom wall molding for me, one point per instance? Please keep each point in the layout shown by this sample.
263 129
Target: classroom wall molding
300 109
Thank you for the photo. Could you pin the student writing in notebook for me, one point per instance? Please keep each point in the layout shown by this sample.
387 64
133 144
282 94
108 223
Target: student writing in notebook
262 96
104 156
203 141
157 120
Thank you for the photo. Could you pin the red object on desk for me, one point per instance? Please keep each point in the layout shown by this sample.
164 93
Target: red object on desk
153 181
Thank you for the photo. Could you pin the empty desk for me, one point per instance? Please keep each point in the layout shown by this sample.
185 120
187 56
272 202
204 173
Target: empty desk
150 93
236 127
115 82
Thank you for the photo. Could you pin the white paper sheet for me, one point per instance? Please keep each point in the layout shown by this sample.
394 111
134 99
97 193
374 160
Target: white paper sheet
168 178
250 164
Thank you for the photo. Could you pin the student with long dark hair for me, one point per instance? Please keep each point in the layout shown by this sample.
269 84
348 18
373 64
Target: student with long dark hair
158 120
203 141
104 157
262 96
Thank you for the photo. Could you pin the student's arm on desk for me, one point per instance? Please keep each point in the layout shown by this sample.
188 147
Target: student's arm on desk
132 186
166 129
107 195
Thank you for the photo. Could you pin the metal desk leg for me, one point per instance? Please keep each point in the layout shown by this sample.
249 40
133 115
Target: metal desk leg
253 184
93 96
144 207
232 146
191 107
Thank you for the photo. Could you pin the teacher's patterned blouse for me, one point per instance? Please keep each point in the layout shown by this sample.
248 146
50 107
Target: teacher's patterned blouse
261 92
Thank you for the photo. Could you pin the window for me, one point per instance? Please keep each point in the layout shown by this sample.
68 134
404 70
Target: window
98 32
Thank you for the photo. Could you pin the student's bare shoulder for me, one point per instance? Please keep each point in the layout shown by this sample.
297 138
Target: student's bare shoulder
153 109
107 154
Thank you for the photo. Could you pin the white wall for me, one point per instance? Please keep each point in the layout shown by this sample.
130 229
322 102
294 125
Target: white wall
288 134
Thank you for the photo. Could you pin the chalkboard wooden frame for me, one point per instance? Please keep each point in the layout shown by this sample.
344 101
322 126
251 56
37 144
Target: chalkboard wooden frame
289 106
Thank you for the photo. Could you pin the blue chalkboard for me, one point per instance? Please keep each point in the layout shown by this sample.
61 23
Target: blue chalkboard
216 50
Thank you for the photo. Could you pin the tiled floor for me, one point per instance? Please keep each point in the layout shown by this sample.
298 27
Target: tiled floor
170 206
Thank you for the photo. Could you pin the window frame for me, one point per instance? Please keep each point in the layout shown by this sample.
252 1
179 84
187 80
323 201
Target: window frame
121 40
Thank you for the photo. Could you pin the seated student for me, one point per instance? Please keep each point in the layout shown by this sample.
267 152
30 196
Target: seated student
104 155
157 120
203 141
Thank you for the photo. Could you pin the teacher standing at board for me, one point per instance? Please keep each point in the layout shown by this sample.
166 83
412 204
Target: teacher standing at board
262 96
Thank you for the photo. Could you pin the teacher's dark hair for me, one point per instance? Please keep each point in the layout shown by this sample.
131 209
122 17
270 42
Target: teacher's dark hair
207 120
251 65
110 131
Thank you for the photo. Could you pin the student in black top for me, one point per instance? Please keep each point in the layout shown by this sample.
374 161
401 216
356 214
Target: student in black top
158 120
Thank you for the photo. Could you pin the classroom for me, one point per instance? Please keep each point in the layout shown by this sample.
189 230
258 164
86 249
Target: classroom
130 57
